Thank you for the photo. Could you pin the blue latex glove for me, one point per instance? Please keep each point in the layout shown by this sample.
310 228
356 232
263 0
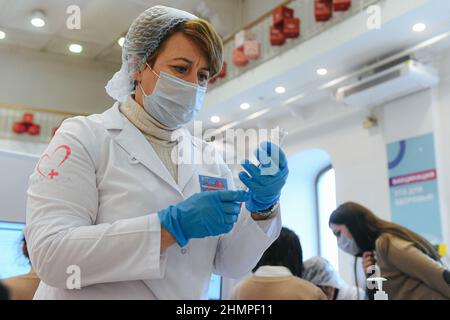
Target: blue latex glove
266 180
202 215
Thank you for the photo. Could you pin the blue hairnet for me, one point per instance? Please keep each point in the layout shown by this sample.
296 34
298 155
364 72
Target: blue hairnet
320 272
143 38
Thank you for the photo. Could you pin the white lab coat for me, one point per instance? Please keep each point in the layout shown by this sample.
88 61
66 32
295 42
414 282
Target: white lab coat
97 210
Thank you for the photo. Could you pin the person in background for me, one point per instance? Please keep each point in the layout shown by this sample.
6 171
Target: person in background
320 272
4 293
409 262
23 287
277 276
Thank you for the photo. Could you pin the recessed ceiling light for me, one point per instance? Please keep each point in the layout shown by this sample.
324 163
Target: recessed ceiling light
419 27
121 41
2 35
38 18
280 90
245 106
322 72
75 48
215 119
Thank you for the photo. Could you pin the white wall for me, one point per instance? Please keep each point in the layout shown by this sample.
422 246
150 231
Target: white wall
49 81
440 118
15 169
25 147
226 16
299 197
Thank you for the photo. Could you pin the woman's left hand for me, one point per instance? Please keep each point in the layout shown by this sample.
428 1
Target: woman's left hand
368 260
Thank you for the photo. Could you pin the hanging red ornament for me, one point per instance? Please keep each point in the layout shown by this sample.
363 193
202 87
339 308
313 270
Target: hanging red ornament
34 130
280 14
341 5
239 58
19 128
251 49
223 71
291 28
277 37
54 129
323 9
28 118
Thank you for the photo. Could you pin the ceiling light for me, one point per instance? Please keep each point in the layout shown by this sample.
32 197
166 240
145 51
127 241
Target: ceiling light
2 35
419 27
245 106
38 18
75 48
322 72
121 41
280 90
215 119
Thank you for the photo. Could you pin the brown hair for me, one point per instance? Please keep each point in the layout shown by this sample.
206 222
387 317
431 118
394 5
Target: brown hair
202 33
366 227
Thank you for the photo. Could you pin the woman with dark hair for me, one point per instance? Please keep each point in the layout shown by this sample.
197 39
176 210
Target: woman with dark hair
409 262
277 276
23 287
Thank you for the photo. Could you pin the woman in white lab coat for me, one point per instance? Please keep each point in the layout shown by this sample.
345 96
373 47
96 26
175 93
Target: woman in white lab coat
111 215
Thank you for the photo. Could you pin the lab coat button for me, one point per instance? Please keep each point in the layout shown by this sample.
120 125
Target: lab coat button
183 251
133 160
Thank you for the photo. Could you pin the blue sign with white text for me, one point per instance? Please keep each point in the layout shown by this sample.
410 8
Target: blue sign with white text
413 186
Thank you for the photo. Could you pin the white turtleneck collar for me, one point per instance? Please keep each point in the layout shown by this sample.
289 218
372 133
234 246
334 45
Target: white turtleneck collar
273 271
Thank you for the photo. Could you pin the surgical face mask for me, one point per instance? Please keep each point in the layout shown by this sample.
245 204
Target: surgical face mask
173 102
348 245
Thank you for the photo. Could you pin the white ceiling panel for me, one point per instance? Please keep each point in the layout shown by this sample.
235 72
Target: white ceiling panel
103 22
24 39
61 45
113 56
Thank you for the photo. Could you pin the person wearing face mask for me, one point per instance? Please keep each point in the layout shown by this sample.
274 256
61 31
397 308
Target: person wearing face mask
113 214
410 263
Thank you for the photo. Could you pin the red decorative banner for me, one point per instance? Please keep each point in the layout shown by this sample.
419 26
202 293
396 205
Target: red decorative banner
413 178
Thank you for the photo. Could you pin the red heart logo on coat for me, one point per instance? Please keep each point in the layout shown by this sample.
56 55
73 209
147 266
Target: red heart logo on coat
48 166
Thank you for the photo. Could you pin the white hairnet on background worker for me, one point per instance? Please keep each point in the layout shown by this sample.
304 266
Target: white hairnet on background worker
319 271
142 40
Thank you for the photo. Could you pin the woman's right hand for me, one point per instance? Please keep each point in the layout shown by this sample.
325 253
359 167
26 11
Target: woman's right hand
368 259
202 215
